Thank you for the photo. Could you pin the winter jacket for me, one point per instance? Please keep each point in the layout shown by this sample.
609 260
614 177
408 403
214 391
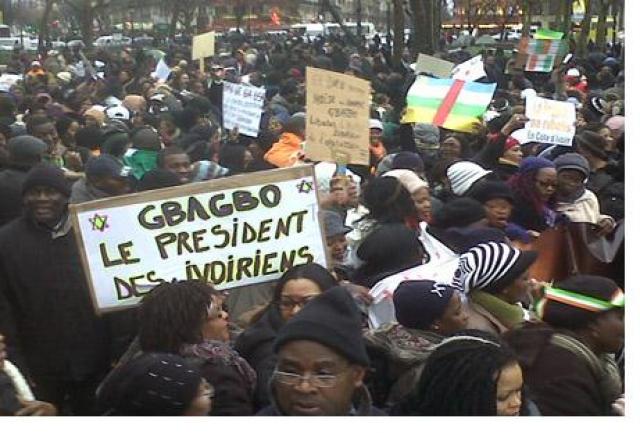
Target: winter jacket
256 346
563 375
285 152
491 314
82 191
397 357
46 313
584 210
11 181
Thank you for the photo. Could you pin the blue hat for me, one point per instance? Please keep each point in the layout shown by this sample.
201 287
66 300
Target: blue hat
419 303
534 163
106 166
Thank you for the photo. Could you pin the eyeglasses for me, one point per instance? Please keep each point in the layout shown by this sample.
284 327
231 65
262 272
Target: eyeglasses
290 304
315 380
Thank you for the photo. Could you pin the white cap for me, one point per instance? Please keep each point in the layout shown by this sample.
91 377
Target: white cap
118 112
526 93
463 174
375 124
408 179
573 72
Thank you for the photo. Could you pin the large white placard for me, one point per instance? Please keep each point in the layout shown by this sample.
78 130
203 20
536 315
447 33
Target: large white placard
230 232
552 122
242 107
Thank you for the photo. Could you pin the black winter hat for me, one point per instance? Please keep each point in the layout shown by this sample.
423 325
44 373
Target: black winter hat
419 303
591 142
158 178
331 319
490 190
459 212
46 175
578 300
151 384
25 150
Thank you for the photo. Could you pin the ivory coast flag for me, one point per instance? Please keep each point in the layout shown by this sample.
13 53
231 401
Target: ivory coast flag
451 104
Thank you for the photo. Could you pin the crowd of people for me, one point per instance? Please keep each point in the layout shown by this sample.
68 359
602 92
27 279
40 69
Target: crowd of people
492 341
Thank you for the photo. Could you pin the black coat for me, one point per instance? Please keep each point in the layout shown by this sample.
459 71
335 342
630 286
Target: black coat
11 181
256 346
46 314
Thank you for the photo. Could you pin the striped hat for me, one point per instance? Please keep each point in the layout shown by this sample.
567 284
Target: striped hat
463 174
574 302
491 266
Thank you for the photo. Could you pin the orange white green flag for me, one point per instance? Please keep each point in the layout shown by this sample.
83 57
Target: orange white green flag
447 103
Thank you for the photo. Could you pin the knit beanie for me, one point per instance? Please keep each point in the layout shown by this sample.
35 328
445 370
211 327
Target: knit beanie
576 301
427 134
408 178
158 178
135 103
491 267
25 150
573 161
409 161
459 212
420 303
89 137
389 246
533 164
490 190
592 142
463 174
153 384
46 175
331 319
146 139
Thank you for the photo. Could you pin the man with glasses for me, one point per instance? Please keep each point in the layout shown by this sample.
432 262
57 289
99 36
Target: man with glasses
321 361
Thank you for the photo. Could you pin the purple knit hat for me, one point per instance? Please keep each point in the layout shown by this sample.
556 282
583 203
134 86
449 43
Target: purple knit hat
534 163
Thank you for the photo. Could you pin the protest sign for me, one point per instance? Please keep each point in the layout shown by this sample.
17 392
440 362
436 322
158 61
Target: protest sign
230 232
434 66
8 80
337 121
550 121
203 46
540 55
471 70
242 107
441 267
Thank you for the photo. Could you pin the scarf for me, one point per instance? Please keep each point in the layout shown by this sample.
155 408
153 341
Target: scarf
508 314
407 346
212 349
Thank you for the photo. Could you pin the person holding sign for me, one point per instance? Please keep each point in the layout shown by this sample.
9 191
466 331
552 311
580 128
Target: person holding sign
46 312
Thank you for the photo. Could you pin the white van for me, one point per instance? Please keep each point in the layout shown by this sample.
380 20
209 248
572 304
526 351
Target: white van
310 30
112 41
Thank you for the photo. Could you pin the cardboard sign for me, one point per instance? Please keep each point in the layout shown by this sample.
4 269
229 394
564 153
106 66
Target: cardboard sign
242 107
550 121
203 46
471 70
229 232
8 80
337 121
434 66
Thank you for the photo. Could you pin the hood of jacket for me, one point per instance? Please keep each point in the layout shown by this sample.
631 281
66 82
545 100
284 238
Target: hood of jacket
284 153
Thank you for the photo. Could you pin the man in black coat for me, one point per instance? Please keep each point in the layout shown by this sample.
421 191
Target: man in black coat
46 315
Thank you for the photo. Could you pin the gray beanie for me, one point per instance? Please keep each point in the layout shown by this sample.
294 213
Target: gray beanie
573 161
427 134
25 150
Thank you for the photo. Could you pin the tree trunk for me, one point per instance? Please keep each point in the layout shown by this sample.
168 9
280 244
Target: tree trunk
601 30
43 35
398 32
86 23
429 13
173 25
585 27
526 19
419 33
202 22
437 23
567 20
327 6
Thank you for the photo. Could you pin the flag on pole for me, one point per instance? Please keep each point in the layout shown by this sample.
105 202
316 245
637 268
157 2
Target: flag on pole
540 54
451 104
548 34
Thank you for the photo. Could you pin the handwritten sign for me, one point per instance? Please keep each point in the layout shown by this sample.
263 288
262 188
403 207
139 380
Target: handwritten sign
203 46
337 121
242 107
550 121
230 232
434 66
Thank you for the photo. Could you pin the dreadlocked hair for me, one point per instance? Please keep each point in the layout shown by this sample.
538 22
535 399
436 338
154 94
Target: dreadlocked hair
459 378
523 185
172 315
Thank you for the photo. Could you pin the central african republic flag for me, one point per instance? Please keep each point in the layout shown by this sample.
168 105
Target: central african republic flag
451 104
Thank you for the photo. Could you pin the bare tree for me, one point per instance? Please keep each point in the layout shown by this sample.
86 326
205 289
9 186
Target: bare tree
585 27
601 27
398 31
419 30
43 35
